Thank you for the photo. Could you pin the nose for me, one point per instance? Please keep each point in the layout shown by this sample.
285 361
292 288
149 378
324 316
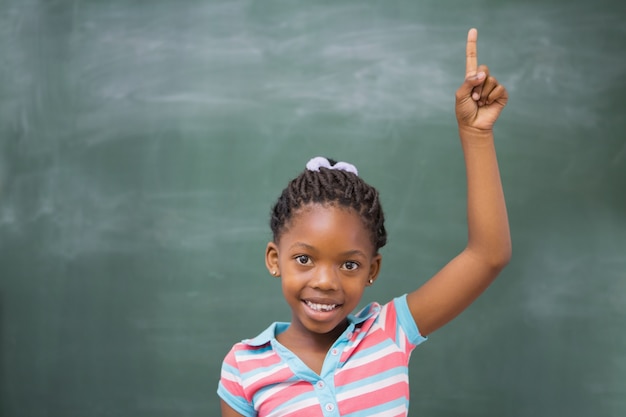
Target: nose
325 279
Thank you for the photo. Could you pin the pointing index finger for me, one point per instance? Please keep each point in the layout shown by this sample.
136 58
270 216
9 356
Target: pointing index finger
471 60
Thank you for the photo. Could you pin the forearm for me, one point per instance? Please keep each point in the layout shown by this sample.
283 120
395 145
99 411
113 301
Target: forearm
488 227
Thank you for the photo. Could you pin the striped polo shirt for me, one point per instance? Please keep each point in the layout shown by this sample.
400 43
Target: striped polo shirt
365 372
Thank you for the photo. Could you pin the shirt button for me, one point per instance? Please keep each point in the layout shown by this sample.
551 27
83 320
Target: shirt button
321 384
335 351
349 335
330 407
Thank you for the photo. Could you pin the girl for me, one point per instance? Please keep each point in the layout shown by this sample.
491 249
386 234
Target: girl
327 227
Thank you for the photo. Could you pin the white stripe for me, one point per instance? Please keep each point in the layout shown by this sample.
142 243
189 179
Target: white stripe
243 357
255 378
377 355
374 386
401 339
293 407
229 376
273 391
400 410
381 320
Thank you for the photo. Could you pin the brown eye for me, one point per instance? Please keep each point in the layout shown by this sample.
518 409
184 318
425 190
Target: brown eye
303 259
350 266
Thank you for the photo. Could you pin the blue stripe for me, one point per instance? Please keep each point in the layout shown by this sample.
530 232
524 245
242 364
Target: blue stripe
239 404
379 408
406 322
399 370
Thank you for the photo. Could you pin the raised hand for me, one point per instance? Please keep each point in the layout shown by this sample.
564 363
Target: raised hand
480 99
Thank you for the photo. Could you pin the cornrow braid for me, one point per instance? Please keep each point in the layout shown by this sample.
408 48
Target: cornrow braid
332 187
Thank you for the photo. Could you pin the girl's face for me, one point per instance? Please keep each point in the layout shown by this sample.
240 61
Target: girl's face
325 258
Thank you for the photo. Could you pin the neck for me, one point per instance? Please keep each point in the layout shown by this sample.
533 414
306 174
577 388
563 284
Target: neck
296 337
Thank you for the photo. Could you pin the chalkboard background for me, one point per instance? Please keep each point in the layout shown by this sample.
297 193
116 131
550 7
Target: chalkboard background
142 144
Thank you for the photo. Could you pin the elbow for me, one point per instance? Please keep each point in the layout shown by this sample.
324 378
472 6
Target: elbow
503 262
501 258
493 258
501 252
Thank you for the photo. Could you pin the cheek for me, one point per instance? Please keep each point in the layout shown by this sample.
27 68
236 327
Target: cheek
290 284
288 292
354 286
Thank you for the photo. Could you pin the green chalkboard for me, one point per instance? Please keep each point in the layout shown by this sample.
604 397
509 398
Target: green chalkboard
142 144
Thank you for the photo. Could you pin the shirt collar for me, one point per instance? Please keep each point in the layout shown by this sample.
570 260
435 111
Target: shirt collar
278 327
267 335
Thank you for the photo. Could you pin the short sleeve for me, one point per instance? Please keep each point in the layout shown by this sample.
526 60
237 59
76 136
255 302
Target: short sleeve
230 388
406 321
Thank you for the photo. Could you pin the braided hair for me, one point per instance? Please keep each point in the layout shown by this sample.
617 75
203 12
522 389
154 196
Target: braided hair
334 187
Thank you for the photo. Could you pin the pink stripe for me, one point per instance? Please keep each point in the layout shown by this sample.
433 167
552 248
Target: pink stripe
370 400
250 364
372 368
234 388
275 378
277 400
391 322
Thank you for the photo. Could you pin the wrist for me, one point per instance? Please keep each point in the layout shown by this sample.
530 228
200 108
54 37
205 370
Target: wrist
475 135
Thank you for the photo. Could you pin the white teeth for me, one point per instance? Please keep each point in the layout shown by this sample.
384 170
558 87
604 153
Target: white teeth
321 307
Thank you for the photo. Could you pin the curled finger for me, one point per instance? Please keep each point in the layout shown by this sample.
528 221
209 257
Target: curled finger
477 91
487 87
498 93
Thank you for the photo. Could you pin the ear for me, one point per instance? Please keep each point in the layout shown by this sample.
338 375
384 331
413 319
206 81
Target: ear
374 268
271 259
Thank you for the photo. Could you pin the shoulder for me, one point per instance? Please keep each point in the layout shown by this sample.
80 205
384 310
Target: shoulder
255 349
393 318
243 366
375 312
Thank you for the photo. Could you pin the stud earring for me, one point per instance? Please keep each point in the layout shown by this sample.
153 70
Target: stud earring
371 281
274 273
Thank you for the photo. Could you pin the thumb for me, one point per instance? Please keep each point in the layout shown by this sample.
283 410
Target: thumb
471 81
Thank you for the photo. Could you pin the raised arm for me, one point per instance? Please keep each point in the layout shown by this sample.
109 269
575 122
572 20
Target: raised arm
479 101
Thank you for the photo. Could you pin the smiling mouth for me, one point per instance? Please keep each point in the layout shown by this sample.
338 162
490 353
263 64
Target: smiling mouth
321 307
